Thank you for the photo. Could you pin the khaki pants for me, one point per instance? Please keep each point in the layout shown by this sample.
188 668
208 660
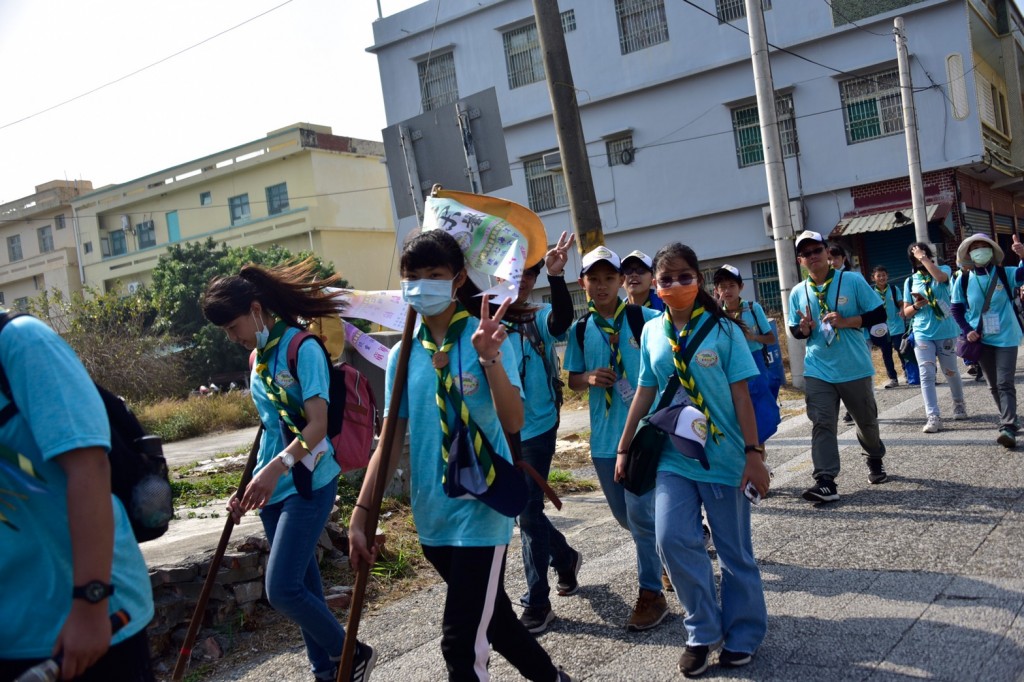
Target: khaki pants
823 411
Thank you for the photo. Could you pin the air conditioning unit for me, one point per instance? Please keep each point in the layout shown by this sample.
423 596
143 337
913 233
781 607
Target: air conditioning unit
126 222
796 213
552 161
133 288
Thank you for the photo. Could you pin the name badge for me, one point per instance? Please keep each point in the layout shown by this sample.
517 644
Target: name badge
625 390
990 322
828 333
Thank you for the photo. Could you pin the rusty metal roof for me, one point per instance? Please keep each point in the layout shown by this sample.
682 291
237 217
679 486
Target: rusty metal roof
886 220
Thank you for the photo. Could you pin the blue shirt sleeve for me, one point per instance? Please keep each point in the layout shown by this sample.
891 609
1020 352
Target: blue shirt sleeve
574 361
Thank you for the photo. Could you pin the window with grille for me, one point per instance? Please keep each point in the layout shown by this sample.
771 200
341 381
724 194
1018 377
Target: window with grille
437 81
45 235
145 232
872 106
58 222
620 150
766 284
568 21
523 60
87 247
14 248
277 198
747 129
641 23
239 208
118 243
545 189
205 199
992 104
730 10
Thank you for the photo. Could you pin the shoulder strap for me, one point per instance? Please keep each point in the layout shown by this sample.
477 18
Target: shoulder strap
670 391
753 313
698 337
635 319
293 352
892 290
581 330
1009 292
965 279
530 331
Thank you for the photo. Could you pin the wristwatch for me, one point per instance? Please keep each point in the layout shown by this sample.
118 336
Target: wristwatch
753 448
288 459
93 591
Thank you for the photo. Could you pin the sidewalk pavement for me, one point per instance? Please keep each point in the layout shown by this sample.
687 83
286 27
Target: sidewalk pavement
917 578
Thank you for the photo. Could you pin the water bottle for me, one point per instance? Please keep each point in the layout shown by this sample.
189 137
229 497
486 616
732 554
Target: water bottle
47 671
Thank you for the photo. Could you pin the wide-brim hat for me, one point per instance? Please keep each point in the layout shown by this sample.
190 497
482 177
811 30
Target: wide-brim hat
963 251
687 427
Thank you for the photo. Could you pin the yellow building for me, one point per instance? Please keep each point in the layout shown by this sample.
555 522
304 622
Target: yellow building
300 187
37 239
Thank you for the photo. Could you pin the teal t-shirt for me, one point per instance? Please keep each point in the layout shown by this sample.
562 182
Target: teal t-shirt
847 358
893 301
1008 334
926 324
541 412
315 382
752 315
723 358
605 427
58 410
440 520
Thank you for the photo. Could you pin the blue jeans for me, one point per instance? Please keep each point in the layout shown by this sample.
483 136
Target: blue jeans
294 587
741 620
635 513
943 352
543 544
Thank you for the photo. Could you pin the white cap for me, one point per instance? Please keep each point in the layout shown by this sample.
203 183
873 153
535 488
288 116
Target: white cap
809 235
642 257
601 253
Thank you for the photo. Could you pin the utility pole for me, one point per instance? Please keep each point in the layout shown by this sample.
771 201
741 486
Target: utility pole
910 131
778 190
579 184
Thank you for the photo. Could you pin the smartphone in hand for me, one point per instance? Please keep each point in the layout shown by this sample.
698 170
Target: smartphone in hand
751 492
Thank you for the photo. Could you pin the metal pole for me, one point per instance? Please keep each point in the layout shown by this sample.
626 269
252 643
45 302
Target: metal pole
579 184
411 172
910 131
778 190
468 147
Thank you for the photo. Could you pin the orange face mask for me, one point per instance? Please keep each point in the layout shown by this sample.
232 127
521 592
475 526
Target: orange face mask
679 296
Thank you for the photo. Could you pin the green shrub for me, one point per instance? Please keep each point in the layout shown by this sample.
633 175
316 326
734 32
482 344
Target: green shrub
173 419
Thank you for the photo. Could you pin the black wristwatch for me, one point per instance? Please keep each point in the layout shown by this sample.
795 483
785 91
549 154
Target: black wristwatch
93 591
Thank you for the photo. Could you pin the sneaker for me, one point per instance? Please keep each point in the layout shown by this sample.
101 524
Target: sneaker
1007 438
892 383
651 608
824 490
932 425
847 418
959 411
568 582
666 582
694 660
563 676
972 370
536 618
876 470
362 662
733 659
709 543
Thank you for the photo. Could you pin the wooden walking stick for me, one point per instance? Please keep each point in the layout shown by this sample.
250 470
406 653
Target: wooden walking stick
197 616
387 440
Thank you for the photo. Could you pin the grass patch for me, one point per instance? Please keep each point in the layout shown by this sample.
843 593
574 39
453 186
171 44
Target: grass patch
566 482
173 419
203 489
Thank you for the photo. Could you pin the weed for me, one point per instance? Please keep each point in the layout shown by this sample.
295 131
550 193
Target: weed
565 482
177 419
199 491
391 567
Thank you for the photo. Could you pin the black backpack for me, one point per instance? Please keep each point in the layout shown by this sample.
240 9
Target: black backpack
138 470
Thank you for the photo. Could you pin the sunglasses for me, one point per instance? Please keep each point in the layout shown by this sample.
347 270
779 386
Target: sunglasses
807 253
686 280
636 270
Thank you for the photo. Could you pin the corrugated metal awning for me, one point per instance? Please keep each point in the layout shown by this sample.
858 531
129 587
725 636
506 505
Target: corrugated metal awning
886 220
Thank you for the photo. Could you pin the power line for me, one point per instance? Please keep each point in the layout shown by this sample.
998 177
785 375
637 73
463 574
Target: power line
144 68
853 23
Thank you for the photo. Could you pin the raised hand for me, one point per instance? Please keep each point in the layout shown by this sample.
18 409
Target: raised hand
490 333
557 257
1017 247
806 321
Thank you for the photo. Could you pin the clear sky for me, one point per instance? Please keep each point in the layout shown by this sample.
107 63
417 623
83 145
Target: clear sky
304 61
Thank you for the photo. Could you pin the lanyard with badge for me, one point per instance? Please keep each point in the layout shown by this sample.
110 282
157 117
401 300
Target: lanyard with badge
828 332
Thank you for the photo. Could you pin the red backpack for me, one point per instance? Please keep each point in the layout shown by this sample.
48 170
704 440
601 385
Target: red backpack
352 419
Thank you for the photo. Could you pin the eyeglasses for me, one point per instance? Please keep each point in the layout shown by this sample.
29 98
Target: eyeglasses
807 253
686 280
635 271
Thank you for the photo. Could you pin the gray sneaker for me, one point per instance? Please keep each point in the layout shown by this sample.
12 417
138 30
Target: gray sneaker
933 425
959 411
892 383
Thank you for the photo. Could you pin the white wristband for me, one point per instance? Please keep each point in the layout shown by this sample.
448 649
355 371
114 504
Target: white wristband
492 361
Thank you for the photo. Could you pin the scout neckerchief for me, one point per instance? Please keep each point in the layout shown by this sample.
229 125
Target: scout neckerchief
734 314
612 331
277 394
647 303
445 391
926 279
678 344
822 294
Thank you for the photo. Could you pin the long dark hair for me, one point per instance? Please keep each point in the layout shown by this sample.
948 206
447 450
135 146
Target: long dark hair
291 292
914 263
684 252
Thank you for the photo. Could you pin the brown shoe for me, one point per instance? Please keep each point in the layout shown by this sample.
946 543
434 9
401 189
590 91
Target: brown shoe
666 582
651 608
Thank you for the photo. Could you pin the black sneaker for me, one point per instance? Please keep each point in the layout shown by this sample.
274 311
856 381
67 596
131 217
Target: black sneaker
876 470
847 418
733 659
536 618
563 676
568 582
694 660
363 662
1007 437
824 490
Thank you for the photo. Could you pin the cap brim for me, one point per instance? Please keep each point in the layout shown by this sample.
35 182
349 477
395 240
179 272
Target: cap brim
590 267
665 419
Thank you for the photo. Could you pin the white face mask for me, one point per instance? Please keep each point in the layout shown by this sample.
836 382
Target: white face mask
262 335
982 257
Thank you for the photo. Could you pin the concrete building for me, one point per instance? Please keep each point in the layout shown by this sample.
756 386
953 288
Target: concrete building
300 187
38 237
667 102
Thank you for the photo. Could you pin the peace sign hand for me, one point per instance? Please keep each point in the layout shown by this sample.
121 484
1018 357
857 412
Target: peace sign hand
1017 247
556 258
490 333
806 321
